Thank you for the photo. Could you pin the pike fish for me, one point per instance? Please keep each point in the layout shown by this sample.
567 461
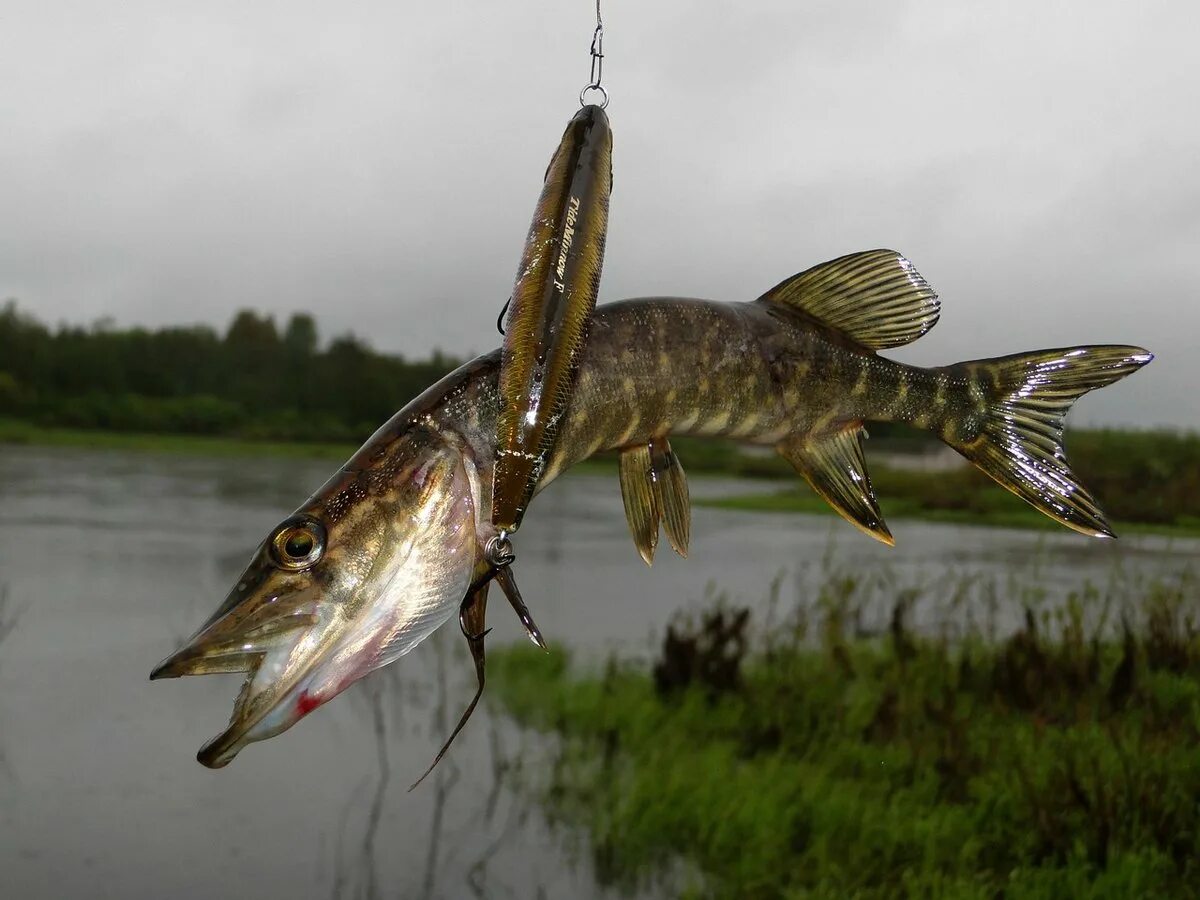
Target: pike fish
390 547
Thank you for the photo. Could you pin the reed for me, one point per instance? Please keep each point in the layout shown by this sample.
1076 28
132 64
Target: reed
811 756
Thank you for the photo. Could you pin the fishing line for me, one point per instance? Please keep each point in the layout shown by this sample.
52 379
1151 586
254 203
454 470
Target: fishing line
597 52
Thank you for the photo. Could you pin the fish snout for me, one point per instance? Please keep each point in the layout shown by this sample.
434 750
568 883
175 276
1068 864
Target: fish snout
195 658
238 641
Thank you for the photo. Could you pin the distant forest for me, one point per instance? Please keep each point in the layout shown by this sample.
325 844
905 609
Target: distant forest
255 380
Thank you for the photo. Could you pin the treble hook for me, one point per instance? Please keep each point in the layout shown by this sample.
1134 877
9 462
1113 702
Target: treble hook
498 551
471 616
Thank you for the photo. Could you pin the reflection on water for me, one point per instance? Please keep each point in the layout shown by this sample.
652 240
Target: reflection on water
114 558
356 862
8 621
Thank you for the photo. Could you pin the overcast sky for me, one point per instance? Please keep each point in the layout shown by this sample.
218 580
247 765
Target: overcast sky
377 163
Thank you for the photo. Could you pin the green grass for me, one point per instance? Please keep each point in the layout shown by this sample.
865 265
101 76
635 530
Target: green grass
1063 761
16 432
998 509
1146 481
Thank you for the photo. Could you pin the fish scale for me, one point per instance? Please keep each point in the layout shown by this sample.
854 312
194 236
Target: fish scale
744 380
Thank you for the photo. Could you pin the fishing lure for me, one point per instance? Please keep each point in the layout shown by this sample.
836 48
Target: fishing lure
544 335
548 313
545 331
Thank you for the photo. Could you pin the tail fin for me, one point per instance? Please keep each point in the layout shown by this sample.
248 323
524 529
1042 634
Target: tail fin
1019 441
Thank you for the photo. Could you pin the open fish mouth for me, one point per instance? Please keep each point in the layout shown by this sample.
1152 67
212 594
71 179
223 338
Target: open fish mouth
272 648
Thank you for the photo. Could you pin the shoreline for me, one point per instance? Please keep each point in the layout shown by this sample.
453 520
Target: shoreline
801 502
793 498
22 434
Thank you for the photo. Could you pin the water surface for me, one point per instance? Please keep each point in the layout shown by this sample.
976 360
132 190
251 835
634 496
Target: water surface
112 559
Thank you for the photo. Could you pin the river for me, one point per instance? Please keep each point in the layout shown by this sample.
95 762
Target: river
110 559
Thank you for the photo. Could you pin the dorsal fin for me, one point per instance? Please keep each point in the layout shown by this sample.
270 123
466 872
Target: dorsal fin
835 467
875 297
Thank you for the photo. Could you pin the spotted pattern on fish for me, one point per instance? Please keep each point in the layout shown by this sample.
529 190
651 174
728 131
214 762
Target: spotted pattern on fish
676 366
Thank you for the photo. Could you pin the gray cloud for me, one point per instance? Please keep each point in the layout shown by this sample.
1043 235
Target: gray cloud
377 164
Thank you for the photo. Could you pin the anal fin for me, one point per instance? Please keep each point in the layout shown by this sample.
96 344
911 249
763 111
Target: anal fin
654 489
834 465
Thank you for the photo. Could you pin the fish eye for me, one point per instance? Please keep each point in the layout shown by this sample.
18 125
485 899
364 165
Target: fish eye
298 544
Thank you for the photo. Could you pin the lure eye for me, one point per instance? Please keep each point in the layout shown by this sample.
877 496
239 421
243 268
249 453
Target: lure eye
298 544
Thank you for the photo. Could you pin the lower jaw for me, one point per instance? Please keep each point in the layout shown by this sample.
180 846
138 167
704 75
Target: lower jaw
218 752
221 750
243 729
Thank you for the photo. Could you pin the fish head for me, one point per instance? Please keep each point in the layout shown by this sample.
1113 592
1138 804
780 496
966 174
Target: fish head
358 576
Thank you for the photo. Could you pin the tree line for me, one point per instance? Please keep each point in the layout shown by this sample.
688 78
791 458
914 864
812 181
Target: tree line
254 380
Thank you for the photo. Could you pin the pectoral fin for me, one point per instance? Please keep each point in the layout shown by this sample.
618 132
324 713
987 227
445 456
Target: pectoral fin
654 489
835 467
